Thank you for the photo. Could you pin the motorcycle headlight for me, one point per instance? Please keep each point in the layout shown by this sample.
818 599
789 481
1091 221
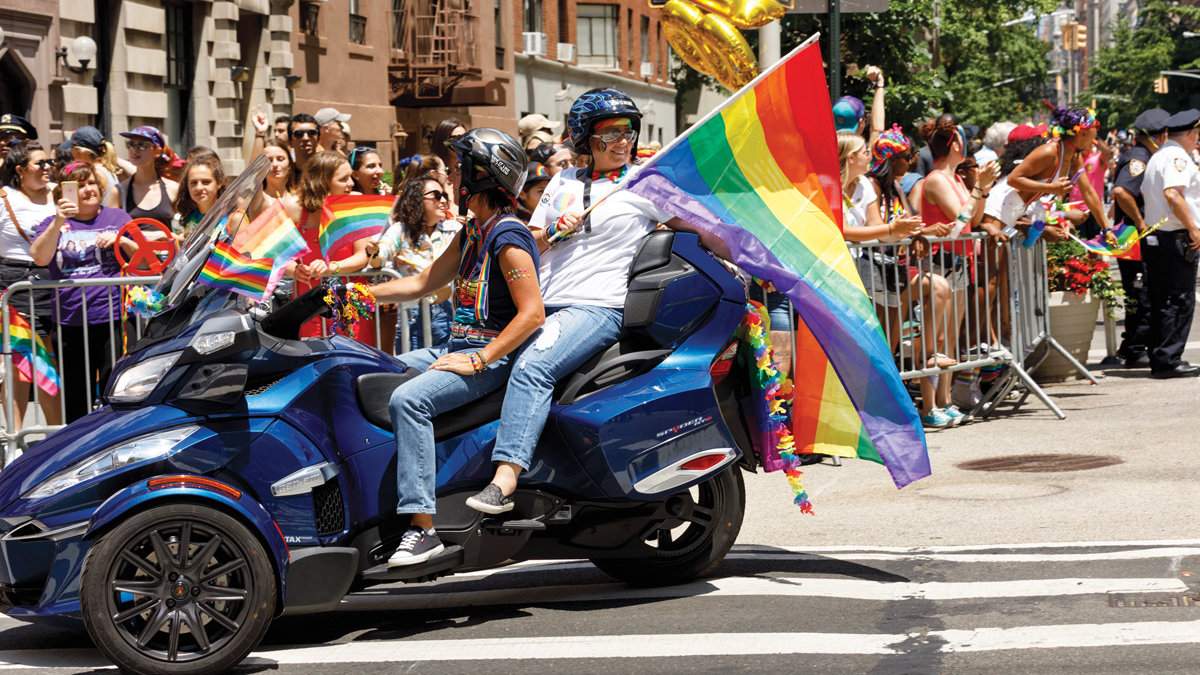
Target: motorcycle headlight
141 449
135 384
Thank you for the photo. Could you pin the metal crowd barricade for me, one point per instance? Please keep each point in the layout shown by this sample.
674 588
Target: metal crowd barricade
964 304
123 331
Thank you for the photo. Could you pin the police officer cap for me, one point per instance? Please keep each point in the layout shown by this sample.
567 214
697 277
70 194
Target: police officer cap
1152 121
1184 120
15 123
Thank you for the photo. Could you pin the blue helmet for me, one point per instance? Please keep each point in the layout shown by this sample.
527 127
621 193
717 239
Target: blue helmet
595 105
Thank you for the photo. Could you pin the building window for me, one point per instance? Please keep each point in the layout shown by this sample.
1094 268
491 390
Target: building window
358 24
564 25
533 16
629 41
645 39
179 45
596 35
310 13
500 35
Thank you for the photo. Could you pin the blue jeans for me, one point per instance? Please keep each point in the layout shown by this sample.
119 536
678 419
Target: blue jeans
439 327
570 336
413 406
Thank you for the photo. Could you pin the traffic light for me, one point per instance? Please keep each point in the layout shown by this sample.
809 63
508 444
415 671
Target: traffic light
1068 36
1081 36
1160 86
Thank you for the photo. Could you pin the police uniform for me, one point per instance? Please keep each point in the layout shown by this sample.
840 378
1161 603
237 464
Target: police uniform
1170 263
1131 169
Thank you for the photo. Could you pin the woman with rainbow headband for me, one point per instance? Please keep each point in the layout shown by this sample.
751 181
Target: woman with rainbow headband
493 263
1052 169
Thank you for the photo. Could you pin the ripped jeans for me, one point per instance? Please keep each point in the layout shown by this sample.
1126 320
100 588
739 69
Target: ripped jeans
570 336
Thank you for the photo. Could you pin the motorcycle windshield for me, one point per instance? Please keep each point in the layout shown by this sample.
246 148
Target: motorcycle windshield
241 201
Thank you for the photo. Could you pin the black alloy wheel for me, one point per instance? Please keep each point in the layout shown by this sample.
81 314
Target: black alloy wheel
180 588
691 544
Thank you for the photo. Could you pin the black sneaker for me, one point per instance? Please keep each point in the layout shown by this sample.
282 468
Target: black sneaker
490 500
416 546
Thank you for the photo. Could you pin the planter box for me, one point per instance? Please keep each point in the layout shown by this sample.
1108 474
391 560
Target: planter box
1073 325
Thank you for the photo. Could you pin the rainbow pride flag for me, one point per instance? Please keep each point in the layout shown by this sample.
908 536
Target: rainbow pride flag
348 218
30 356
761 173
274 236
228 270
1116 242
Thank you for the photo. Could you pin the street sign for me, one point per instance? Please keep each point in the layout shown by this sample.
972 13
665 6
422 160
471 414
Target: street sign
822 6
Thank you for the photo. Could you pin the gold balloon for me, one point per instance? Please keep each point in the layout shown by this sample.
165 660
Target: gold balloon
747 13
710 43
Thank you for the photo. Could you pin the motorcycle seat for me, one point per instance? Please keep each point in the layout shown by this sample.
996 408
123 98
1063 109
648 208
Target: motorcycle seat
375 392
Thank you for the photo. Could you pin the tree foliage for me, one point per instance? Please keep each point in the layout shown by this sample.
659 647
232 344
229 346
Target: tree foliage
1123 75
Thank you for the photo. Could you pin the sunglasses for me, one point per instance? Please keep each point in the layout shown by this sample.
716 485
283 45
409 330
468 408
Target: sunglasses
437 195
305 133
451 140
140 146
43 163
614 135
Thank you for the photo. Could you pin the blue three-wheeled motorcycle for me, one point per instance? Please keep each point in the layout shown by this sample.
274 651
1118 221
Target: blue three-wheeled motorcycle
237 473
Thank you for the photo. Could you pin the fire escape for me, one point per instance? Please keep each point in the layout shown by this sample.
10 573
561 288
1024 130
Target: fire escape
435 56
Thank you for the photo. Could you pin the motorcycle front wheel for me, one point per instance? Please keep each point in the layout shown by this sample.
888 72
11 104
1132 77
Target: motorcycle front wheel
180 589
692 545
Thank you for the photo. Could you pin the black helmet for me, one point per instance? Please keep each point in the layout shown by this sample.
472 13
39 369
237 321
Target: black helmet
490 159
595 105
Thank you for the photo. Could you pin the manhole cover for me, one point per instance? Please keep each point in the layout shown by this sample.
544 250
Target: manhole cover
1046 463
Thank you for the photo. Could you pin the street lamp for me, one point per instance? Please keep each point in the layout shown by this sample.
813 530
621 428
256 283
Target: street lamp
82 49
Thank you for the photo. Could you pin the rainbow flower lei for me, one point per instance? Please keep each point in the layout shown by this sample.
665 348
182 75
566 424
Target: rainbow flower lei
350 307
143 301
776 392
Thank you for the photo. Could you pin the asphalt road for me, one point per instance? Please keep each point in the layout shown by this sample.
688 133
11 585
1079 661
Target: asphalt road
1094 570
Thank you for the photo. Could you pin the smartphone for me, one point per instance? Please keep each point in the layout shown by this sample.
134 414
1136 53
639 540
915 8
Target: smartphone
70 191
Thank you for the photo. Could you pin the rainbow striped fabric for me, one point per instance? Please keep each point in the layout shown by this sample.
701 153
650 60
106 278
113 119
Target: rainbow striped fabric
761 173
348 218
228 270
1116 242
272 235
30 356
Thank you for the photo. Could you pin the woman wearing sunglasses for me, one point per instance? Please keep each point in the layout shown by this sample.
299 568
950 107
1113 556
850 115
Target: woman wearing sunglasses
148 193
27 202
422 229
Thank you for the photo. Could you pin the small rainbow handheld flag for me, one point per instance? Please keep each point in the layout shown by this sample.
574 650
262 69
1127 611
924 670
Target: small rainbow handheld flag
27 347
761 173
1116 242
272 235
348 218
228 270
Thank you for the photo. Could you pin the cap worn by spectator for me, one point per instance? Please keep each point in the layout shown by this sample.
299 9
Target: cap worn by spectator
1184 120
147 132
536 174
326 115
16 124
844 117
1152 121
88 138
537 122
1024 132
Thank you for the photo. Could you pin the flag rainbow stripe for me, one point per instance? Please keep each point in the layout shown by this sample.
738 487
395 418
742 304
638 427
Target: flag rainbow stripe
348 218
273 235
226 269
761 173
28 347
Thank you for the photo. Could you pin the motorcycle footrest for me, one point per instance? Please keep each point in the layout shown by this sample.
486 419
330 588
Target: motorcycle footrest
514 525
449 559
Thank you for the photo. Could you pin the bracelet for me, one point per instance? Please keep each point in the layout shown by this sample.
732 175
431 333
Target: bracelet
482 359
335 266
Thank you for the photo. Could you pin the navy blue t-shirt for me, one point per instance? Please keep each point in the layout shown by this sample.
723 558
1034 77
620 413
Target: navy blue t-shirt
500 308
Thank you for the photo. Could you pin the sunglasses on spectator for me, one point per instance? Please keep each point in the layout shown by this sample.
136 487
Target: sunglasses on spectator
437 195
614 135
43 163
305 133
140 146
450 141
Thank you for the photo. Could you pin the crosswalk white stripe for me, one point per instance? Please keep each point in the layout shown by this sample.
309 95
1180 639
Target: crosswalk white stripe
795 553
853 589
981 547
678 645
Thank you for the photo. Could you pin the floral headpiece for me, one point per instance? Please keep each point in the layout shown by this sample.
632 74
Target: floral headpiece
1071 121
889 144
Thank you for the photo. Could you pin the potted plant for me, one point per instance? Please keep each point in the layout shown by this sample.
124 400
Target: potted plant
1080 283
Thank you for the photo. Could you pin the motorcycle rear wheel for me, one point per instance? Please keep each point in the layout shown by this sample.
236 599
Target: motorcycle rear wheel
179 589
697 545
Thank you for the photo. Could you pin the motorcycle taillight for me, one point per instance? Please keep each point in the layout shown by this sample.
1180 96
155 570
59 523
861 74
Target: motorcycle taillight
723 364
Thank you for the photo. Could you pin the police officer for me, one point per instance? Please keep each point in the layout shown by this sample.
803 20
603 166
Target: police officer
1150 128
14 129
1171 189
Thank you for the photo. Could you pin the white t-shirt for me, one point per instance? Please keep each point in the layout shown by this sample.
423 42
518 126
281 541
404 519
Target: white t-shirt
1004 203
592 268
1170 167
855 213
29 215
